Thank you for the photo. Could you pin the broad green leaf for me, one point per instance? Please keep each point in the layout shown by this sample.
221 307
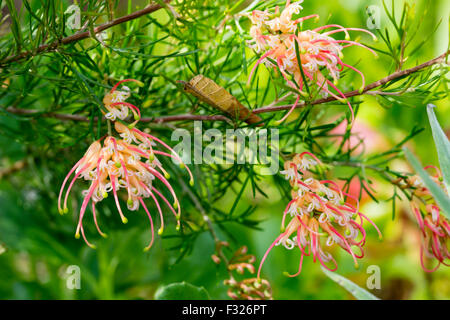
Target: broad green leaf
439 195
442 145
358 292
181 291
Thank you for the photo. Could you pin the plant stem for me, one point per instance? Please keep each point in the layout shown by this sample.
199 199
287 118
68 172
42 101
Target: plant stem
366 89
109 128
270 108
83 35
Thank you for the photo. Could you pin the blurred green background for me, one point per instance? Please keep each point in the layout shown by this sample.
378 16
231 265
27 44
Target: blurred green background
37 244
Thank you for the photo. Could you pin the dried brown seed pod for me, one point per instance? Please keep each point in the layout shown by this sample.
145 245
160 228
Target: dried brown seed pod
216 96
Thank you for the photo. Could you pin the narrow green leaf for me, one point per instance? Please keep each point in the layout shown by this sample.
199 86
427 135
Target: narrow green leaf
442 145
299 62
181 291
358 292
439 195
15 24
239 196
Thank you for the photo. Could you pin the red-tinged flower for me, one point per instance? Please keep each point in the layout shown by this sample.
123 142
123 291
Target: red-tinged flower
320 55
240 286
321 216
130 163
114 102
434 226
249 289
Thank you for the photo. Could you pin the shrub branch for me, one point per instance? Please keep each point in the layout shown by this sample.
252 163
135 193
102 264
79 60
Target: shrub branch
83 35
192 117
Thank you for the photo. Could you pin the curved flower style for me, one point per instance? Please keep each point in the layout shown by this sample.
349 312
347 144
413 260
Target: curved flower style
319 209
130 163
116 106
316 58
434 226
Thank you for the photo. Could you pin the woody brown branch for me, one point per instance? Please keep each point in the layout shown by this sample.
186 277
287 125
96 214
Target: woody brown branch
74 117
191 117
366 89
83 35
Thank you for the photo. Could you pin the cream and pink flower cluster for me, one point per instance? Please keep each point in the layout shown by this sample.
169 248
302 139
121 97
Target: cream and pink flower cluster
277 37
435 228
126 166
321 215
239 286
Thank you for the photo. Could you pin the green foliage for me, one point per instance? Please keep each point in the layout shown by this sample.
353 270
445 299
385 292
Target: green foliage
442 146
358 292
441 198
181 291
51 107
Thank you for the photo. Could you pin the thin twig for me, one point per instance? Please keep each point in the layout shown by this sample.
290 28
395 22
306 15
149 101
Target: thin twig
270 108
354 93
207 220
83 35
74 117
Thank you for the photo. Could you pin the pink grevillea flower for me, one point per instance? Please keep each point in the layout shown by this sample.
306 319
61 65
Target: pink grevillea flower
116 106
275 37
129 163
435 235
321 216
240 286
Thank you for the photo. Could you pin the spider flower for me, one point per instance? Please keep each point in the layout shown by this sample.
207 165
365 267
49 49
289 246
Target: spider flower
320 216
435 235
309 55
129 163
239 286
116 106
